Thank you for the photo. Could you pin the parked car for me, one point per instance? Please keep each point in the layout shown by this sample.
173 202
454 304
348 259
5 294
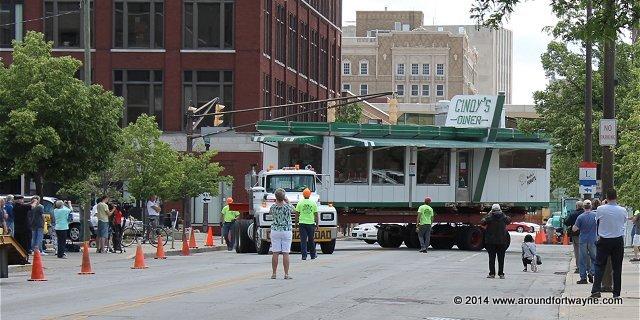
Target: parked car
366 231
522 227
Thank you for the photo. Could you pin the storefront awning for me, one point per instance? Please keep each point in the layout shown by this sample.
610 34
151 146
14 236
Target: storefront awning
444 144
291 139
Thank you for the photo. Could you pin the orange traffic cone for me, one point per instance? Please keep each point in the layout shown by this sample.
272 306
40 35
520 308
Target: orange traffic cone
192 240
160 251
37 270
139 262
209 242
86 263
185 248
565 239
543 236
537 239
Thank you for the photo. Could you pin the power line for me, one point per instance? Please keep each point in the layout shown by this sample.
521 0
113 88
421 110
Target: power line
38 19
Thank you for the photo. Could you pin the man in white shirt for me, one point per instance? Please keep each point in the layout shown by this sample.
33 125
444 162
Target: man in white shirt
611 219
153 212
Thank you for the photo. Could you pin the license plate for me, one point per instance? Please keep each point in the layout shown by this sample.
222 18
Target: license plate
323 234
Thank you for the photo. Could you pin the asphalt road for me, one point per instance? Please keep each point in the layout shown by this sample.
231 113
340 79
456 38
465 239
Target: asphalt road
358 281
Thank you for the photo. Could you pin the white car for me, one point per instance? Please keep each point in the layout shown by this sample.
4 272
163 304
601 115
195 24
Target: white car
366 231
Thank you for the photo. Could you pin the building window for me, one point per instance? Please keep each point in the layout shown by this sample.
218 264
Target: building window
142 93
66 25
293 42
415 90
440 90
400 69
200 87
415 68
388 166
304 49
266 90
440 69
416 119
425 90
346 68
346 87
364 89
208 24
364 68
314 55
280 93
268 5
352 165
433 166
281 33
324 60
11 22
400 89
426 69
523 159
139 24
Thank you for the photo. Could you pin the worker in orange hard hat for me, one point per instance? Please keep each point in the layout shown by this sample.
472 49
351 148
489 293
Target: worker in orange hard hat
307 219
228 218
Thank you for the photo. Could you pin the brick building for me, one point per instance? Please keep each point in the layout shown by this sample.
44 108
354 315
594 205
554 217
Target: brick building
160 54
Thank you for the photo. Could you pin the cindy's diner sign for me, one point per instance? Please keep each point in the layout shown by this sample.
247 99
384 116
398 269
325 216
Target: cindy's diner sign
471 111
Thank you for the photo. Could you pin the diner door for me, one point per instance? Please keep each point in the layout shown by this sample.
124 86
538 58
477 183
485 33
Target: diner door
463 176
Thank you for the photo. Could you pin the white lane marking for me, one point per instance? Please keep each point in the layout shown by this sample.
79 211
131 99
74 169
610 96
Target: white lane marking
469 257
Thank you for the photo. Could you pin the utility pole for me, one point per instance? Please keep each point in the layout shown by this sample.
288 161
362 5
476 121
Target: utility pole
588 98
186 213
86 9
609 109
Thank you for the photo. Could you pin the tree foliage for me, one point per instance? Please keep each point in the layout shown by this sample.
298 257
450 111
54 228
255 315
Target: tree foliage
56 128
350 113
197 174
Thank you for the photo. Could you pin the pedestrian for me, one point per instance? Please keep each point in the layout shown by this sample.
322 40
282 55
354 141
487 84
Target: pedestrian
635 238
117 229
496 239
307 218
3 217
550 230
607 278
529 253
103 225
37 225
611 219
8 208
574 235
586 225
61 214
228 217
424 220
22 231
153 213
281 234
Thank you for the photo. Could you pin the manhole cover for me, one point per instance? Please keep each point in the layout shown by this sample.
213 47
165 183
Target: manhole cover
397 301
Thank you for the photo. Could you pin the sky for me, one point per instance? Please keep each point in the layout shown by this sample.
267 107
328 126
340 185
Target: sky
527 22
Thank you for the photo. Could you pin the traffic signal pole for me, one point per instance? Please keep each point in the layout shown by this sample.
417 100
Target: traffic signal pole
609 110
588 99
86 9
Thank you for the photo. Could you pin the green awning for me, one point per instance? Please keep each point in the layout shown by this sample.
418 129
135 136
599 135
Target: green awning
440 144
291 139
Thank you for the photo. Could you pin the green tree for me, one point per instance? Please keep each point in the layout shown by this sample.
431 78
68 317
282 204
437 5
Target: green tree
196 174
56 129
350 113
628 152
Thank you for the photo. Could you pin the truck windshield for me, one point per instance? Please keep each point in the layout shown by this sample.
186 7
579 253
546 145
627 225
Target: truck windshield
290 183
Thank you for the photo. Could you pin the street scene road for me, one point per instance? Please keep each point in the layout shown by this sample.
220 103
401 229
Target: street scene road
358 281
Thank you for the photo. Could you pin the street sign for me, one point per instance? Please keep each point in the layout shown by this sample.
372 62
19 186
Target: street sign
206 198
608 132
587 177
473 111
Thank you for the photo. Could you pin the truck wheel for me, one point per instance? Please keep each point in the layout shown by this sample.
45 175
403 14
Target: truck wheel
411 237
520 229
262 247
74 232
243 242
370 241
442 243
471 238
381 239
328 247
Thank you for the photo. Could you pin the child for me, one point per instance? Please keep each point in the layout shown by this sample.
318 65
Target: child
529 253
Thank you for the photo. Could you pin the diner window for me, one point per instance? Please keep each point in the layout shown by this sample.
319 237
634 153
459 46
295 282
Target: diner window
523 159
415 90
400 69
11 22
142 93
416 119
208 24
388 166
400 89
426 70
268 5
351 165
425 90
291 154
433 166
440 69
200 87
364 89
415 69
139 24
65 28
364 68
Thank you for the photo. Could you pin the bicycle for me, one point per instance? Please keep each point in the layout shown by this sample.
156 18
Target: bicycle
135 232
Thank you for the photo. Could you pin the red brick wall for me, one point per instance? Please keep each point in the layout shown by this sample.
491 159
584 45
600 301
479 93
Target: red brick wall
237 164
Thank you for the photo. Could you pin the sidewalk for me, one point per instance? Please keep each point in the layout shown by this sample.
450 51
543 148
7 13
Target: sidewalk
51 261
630 308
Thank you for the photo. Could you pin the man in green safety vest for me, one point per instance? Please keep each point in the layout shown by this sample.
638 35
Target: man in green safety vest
425 217
228 217
307 217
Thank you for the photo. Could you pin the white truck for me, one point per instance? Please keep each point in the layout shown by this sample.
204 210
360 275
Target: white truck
253 227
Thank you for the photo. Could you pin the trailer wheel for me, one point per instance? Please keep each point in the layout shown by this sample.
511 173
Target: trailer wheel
442 243
391 240
243 242
381 238
370 241
411 237
471 238
328 247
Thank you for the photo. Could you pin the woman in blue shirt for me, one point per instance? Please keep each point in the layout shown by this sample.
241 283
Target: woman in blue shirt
61 215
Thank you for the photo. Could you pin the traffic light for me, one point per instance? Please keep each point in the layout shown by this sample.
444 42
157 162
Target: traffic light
217 119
